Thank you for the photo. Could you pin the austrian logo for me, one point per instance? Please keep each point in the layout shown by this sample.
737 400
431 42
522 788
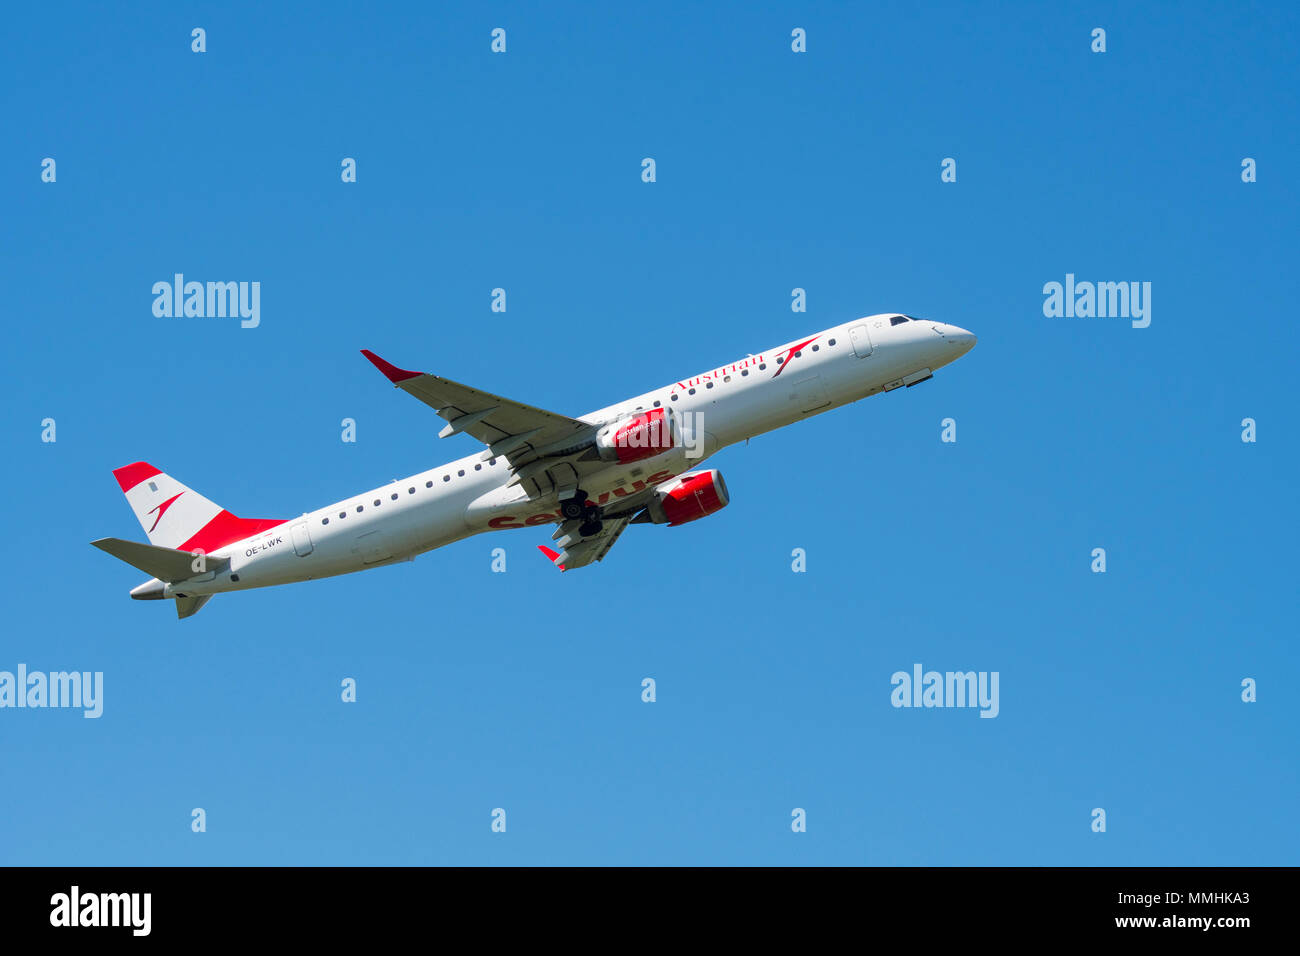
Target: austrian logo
790 353
162 510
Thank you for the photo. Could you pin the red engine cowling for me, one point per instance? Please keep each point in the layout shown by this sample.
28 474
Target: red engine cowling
637 438
693 495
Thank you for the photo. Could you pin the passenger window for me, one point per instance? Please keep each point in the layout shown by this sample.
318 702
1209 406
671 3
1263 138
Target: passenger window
446 477
744 372
324 520
411 490
428 484
708 384
359 507
831 342
461 473
376 502
394 496
478 467
762 366
690 391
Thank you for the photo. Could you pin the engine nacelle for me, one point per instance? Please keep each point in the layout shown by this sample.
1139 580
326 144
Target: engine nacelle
637 438
693 495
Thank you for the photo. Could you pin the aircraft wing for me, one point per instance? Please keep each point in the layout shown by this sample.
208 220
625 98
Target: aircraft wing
586 550
544 450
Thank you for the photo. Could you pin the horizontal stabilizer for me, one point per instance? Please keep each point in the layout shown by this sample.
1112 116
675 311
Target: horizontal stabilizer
166 564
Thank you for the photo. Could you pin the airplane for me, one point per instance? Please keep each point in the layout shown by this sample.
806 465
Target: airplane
633 462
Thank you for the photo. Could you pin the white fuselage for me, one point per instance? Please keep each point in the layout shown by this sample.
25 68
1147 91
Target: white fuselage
730 403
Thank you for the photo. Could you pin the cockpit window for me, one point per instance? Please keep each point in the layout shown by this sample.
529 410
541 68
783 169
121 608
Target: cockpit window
898 320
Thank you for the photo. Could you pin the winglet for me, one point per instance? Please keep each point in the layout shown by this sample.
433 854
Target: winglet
395 374
552 556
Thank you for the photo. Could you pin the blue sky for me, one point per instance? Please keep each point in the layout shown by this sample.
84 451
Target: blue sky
775 170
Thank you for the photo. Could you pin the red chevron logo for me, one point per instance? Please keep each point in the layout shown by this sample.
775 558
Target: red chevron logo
162 510
790 353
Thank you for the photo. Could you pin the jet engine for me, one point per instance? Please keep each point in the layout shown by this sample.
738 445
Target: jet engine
693 495
633 439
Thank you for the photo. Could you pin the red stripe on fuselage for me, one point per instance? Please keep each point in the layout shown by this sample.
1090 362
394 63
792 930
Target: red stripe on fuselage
226 529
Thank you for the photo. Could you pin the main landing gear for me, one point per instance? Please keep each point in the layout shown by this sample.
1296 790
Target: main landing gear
573 507
576 507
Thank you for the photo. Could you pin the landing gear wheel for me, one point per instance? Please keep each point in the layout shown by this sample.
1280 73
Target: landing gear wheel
574 507
591 523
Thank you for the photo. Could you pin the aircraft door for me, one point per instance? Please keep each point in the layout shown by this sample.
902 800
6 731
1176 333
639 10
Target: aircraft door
301 539
861 339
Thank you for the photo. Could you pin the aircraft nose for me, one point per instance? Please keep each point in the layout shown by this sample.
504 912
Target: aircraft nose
960 337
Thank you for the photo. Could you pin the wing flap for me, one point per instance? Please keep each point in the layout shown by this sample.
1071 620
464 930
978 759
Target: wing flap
584 551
